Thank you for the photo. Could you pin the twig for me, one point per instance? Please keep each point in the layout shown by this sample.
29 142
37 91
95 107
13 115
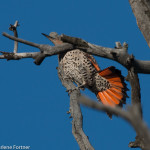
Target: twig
20 40
16 56
14 29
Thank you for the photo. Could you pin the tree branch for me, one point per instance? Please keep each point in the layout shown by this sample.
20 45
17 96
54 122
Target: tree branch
132 116
118 54
135 98
141 10
20 40
46 50
77 122
17 56
14 29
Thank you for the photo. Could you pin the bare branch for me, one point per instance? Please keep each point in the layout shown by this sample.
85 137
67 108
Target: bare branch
75 111
14 29
46 50
118 54
16 56
135 98
132 116
20 40
141 10
135 88
77 122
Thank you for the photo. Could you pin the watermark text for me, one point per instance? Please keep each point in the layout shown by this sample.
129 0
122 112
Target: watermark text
15 147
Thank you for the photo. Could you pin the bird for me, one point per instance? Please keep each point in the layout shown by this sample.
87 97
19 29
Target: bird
108 85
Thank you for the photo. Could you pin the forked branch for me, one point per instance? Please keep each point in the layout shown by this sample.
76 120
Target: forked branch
118 54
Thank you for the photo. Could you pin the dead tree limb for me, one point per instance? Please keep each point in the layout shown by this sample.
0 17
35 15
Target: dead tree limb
14 29
141 10
75 111
132 116
76 114
118 54
45 50
135 100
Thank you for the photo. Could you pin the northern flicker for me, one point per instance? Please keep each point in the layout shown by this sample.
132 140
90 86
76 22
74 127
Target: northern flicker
82 68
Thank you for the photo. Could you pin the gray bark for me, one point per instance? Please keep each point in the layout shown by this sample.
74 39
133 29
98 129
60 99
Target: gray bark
141 10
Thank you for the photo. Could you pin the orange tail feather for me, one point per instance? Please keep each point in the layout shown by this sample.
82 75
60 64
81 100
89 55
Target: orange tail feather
116 93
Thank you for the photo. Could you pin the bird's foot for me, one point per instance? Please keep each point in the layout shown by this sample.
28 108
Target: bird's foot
80 87
71 90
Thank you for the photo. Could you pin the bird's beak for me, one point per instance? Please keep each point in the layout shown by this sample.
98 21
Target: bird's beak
49 37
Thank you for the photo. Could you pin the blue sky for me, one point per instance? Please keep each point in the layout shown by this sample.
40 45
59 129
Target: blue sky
33 102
